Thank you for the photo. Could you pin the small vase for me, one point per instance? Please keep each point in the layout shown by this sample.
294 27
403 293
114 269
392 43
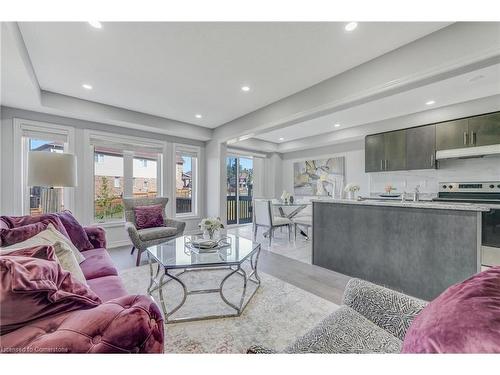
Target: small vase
211 233
351 195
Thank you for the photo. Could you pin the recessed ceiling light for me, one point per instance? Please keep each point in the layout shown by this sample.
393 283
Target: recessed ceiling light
336 125
281 139
351 26
245 88
95 24
430 102
198 116
86 86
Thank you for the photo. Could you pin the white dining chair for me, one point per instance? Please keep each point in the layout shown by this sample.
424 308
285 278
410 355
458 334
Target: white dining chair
264 217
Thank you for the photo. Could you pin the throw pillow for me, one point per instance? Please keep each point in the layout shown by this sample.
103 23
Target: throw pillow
47 237
18 221
149 216
76 232
465 318
12 236
66 253
32 288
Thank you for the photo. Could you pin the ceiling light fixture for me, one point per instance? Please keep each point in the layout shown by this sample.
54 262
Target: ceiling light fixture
95 24
351 26
245 88
86 86
336 125
281 139
198 116
430 102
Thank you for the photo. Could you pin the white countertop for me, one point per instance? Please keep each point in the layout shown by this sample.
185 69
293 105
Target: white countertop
411 204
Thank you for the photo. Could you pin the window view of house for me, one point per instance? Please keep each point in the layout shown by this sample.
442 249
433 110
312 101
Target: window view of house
184 183
35 207
145 175
108 184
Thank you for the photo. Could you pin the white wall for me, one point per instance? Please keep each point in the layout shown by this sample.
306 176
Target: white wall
116 234
354 155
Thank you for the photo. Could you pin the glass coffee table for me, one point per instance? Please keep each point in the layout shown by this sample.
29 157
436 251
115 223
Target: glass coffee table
178 255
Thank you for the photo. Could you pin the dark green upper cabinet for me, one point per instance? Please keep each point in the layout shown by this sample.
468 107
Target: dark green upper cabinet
452 134
421 147
395 150
374 153
484 130
385 152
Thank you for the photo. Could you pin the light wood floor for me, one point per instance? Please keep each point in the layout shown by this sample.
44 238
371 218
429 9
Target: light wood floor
319 281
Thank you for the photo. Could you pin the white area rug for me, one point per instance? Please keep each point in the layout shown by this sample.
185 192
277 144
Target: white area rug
277 315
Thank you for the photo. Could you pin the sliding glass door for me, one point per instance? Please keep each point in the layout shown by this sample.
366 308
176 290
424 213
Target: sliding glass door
239 189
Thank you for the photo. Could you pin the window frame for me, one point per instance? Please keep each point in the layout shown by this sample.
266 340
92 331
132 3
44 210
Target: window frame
194 152
20 150
130 143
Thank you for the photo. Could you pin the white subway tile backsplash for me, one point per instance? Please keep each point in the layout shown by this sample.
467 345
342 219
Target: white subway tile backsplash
476 169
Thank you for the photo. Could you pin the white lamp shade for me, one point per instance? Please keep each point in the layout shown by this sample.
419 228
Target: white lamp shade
51 169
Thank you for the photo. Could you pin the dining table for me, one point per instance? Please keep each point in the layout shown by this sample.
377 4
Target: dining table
296 208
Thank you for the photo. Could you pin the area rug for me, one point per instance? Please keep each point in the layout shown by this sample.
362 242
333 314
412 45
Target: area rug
276 316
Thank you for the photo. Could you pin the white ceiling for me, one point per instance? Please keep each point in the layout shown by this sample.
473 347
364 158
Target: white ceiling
176 70
450 91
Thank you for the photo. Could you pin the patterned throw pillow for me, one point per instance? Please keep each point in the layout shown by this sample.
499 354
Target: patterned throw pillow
149 216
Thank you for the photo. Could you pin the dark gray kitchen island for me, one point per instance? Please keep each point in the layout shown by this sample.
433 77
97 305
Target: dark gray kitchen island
419 248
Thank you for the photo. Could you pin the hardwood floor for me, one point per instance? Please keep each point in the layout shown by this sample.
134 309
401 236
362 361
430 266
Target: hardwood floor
316 280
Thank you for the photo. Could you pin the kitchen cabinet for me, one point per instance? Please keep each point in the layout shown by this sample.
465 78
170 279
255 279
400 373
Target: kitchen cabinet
484 130
452 134
385 152
421 147
374 153
395 150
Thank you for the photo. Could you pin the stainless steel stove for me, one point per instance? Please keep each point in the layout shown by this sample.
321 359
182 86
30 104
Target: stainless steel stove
487 193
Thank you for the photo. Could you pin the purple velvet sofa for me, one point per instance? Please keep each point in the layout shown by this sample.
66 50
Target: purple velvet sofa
123 323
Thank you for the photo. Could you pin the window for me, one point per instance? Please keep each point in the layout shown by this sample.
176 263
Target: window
186 161
108 189
98 158
123 167
35 192
145 175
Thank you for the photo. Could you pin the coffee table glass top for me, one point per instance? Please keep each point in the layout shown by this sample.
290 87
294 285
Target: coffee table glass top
175 254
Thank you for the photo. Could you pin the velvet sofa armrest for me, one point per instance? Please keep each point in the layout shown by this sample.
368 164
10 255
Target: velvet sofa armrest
390 310
129 324
97 236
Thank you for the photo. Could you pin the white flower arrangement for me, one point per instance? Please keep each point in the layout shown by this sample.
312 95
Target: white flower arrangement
352 188
211 224
285 196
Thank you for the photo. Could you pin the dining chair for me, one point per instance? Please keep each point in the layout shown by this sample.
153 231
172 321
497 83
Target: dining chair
264 217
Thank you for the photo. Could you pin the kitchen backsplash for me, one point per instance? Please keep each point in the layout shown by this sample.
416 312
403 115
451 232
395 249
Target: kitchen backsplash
477 169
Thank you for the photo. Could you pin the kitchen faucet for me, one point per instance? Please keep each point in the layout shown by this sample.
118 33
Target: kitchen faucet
416 194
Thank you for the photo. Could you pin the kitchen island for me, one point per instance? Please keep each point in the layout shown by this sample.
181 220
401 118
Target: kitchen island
419 248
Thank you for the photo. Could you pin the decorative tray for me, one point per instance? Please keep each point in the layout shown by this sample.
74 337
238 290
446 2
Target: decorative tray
389 195
205 245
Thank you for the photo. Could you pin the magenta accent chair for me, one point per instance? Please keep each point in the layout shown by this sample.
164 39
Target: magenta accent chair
123 323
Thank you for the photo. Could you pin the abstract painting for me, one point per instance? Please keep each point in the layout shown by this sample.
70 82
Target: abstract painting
323 177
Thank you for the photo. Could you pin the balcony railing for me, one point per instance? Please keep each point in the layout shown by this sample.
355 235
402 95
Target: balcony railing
245 208
183 205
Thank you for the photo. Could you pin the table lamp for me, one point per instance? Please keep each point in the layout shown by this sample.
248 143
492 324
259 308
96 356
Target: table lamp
51 171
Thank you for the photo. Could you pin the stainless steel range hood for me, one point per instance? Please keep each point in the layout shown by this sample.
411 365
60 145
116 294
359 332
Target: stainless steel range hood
468 152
